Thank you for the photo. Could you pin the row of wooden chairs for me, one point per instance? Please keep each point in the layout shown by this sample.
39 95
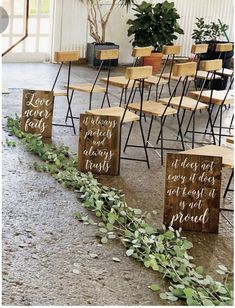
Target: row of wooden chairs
138 78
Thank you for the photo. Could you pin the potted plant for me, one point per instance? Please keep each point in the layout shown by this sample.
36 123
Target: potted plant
211 34
154 25
98 20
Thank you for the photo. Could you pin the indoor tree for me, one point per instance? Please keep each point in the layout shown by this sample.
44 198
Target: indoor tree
98 19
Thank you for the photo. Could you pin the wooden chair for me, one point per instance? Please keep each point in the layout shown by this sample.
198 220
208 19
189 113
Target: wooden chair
223 49
62 57
137 75
120 81
163 108
219 99
170 52
91 88
184 103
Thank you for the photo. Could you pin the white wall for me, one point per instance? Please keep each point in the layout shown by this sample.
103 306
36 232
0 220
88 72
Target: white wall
211 10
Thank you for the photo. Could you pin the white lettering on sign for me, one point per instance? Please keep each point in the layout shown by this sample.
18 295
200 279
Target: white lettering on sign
191 189
36 112
99 153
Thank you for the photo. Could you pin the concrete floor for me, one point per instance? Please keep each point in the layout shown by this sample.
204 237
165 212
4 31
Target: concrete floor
56 241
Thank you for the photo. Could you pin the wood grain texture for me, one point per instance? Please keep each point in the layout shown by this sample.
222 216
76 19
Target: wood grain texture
115 111
215 150
65 56
199 48
37 112
141 52
192 192
211 65
224 47
107 54
99 144
171 50
184 69
217 97
138 72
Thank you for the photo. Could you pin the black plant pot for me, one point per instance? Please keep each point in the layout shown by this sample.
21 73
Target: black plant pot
92 49
217 84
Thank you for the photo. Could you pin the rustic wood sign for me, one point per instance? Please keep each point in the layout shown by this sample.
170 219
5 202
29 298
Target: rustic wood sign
192 192
37 110
99 144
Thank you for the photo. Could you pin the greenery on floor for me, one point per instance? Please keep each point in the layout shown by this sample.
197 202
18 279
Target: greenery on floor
163 250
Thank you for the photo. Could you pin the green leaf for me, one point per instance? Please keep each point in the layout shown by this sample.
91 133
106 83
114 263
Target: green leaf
154 287
199 270
189 292
137 211
207 302
223 268
104 240
129 252
192 302
222 290
163 296
103 230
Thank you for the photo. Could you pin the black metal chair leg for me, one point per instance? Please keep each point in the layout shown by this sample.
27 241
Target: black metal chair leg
180 123
161 91
149 92
180 131
90 100
120 102
128 136
189 122
160 130
150 128
69 106
145 148
161 134
70 113
211 124
228 185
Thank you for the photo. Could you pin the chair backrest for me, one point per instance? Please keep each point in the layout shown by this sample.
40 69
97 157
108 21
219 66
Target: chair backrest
184 69
61 57
224 47
138 52
199 48
66 56
211 65
140 72
171 50
107 54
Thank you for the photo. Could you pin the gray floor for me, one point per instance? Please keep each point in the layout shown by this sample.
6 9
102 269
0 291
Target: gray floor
43 243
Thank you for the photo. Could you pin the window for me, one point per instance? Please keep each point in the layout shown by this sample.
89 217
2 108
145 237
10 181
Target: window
37 45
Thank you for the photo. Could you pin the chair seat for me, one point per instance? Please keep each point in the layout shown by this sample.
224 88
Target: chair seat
59 92
214 150
176 78
187 103
154 80
203 75
152 108
217 96
87 87
225 71
115 111
119 81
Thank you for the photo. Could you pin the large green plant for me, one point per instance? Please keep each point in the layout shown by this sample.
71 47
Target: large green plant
208 32
155 25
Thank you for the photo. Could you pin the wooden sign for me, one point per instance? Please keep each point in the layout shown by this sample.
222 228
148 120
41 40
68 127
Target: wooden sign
37 110
99 144
192 192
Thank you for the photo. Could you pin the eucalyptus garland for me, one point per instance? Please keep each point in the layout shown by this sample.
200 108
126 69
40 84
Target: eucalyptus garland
163 250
